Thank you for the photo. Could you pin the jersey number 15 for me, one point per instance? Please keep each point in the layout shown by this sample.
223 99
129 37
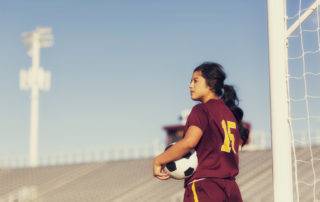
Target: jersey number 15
228 136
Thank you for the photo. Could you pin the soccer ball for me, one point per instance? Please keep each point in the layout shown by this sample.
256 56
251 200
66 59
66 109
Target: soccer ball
183 167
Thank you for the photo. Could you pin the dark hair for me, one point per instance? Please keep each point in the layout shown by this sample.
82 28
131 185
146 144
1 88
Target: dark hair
215 76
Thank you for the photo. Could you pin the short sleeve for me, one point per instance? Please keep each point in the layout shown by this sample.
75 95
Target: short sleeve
198 117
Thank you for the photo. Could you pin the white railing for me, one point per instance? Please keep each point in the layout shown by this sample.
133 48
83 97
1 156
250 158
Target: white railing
258 142
102 155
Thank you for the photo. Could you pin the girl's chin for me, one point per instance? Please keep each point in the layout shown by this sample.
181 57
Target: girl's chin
195 98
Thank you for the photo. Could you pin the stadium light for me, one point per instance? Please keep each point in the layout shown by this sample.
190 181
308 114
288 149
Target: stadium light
35 79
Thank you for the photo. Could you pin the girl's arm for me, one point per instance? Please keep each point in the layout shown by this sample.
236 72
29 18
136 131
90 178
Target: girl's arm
176 151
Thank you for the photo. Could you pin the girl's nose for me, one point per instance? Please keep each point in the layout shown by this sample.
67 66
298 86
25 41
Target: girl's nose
191 85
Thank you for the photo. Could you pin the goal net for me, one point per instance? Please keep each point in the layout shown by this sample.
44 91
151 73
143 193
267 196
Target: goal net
303 81
294 61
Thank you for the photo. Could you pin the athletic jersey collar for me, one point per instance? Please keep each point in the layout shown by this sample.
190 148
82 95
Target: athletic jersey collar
215 101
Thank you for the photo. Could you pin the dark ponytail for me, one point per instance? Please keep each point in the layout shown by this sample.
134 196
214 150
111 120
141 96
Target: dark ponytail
215 76
231 100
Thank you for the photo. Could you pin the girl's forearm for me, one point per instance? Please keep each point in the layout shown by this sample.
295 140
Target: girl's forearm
175 152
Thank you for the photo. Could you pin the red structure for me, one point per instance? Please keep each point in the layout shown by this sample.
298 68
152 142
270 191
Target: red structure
174 133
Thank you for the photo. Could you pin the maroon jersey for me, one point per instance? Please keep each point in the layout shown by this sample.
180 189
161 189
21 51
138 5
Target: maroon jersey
217 149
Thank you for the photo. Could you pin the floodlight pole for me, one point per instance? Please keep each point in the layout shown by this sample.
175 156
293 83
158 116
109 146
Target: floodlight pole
34 98
35 79
280 128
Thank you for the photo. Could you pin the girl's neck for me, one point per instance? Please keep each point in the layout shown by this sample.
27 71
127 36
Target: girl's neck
209 97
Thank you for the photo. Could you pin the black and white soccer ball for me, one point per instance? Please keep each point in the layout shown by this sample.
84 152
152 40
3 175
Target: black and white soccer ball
183 167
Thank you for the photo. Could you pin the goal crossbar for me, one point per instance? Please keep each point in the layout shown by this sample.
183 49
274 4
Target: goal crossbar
303 17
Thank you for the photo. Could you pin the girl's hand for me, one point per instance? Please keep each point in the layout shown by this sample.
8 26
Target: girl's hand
159 172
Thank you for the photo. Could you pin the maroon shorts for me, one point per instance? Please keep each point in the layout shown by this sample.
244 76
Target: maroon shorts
212 190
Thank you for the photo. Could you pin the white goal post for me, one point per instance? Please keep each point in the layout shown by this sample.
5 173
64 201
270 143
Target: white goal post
279 92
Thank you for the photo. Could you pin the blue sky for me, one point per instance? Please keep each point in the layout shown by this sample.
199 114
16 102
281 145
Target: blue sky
120 69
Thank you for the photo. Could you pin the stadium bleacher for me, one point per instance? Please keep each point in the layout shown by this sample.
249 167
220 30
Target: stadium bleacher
132 180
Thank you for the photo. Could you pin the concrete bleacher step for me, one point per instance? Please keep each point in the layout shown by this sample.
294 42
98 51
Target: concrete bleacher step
262 164
112 179
67 177
132 180
150 189
259 190
247 158
16 178
153 190
254 184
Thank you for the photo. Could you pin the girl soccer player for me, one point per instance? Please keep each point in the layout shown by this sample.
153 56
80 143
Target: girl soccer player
214 128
